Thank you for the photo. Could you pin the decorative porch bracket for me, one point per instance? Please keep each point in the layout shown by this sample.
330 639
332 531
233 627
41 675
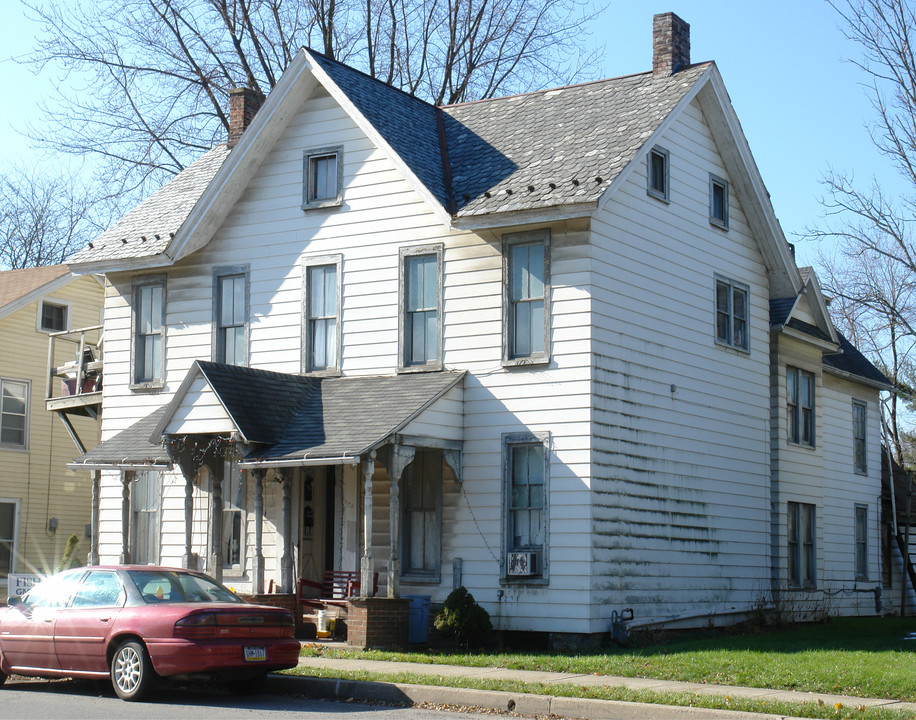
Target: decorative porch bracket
401 457
127 477
366 566
452 458
257 562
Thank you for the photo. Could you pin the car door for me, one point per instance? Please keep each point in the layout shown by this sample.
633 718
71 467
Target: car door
27 631
82 630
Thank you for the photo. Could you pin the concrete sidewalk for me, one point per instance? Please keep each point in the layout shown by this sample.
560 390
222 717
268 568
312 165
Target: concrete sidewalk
532 704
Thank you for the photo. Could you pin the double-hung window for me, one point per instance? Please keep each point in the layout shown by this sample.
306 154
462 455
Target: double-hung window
422 516
860 436
9 520
232 543
718 202
801 544
321 315
148 318
525 499
731 313
421 304
14 414
800 406
657 173
145 511
230 315
53 316
322 178
861 536
527 298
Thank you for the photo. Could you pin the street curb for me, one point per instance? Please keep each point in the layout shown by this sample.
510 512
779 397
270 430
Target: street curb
522 703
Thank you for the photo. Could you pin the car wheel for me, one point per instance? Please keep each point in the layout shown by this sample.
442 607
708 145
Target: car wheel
249 685
132 674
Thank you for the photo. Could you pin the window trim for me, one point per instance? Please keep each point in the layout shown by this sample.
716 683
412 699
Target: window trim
795 408
308 159
14 549
714 182
434 577
510 441
797 547
217 351
24 446
137 283
732 285
860 464
404 254
665 195
861 570
68 309
305 362
510 240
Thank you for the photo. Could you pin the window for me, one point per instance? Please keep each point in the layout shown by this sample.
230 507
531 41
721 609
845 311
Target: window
420 341
800 406
527 298
657 161
321 312
859 436
9 520
422 515
230 315
14 413
149 331
731 313
53 316
718 202
323 178
802 555
233 540
100 588
145 517
861 542
526 496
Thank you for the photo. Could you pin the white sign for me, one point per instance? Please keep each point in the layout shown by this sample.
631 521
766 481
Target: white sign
20 583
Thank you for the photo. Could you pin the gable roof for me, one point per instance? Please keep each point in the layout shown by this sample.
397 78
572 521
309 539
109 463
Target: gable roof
18 288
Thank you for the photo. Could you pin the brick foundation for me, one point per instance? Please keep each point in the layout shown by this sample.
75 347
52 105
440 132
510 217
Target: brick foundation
378 623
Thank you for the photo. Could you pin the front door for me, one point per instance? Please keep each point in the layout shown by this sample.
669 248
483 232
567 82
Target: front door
316 526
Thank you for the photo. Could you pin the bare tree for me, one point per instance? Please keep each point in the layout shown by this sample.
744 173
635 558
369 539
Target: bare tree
43 219
145 81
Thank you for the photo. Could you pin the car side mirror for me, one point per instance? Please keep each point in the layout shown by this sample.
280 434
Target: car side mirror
14 600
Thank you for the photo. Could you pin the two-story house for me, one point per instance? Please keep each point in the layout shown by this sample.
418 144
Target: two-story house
552 347
42 502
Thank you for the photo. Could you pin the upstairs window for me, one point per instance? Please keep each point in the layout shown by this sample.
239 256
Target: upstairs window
718 202
322 315
731 313
54 317
323 178
148 315
800 406
14 413
421 308
658 173
859 436
230 315
801 546
527 298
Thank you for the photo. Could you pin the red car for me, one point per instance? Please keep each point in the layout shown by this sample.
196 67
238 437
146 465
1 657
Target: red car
137 624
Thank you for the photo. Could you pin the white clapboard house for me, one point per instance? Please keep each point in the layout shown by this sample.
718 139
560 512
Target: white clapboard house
553 347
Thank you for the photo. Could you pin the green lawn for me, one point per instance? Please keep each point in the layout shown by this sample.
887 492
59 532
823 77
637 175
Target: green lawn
866 657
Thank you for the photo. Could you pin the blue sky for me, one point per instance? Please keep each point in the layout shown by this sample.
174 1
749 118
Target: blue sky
801 105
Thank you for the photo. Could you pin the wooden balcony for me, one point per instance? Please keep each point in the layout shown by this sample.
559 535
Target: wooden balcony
75 375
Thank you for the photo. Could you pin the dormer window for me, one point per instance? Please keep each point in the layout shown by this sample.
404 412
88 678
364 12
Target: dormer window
322 178
658 173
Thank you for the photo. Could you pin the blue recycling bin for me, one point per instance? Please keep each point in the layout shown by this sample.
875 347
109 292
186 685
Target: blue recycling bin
418 618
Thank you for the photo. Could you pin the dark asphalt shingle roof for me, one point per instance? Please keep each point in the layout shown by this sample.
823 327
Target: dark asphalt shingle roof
129 447
780 309
850 360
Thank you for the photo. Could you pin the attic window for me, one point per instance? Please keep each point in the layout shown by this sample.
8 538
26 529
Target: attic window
53 316
718 202
322 171
657 161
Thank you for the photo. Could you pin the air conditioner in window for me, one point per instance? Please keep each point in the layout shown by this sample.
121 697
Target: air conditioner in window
522 564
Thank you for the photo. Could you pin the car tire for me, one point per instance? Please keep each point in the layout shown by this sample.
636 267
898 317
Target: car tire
132 674
248 686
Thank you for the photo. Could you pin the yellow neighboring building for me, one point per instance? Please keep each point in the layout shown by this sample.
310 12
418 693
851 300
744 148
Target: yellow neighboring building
42 502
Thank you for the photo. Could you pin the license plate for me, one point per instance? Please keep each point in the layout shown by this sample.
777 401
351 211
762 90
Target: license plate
255 654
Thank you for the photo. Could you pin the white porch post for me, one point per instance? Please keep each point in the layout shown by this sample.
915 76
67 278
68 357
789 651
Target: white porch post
126 477
215 566
366 565
401 457
257 562
186 560
94 518
286 510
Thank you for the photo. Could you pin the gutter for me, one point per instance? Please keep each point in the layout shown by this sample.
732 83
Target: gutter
299 462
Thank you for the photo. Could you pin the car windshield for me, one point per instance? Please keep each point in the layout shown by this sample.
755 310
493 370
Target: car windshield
163 586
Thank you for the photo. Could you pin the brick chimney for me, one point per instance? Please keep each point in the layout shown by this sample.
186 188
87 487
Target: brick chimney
670 44
244 103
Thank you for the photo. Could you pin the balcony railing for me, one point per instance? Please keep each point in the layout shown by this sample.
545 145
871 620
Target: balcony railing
75 385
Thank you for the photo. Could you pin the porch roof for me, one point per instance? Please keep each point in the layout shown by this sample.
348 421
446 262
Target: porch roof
130 449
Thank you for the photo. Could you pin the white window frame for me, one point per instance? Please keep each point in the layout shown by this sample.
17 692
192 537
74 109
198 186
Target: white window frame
137 508
860 536
425 460
333 368
218 336
310 160
14 540
729 339
510 442
860 437
24 445
229 509
801 544
53 302
405 362
662 155
797 406
157 379
511 355
717 184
